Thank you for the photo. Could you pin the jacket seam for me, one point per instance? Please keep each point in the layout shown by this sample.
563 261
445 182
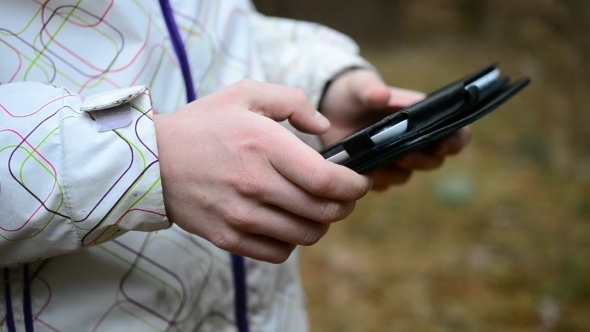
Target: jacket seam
64 172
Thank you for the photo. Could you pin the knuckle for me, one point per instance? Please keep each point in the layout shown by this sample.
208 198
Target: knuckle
245 84
438 162
465 132
241 219
281 255
407 161
244 89
249 187
228 241
299 97
403 177
320 181
380 187
314 234
348 209
253 143
362 190
331 212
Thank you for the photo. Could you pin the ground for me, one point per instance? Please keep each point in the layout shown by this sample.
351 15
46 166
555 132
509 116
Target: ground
498 239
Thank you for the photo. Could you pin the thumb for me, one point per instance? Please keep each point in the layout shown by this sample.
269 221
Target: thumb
369 89
402 98
283 103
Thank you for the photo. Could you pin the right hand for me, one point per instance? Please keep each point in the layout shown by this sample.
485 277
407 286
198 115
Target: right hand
232 175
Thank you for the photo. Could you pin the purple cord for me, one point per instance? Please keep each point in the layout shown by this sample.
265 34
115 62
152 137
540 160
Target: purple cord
179 50
27 305
240 295
238 266
8 296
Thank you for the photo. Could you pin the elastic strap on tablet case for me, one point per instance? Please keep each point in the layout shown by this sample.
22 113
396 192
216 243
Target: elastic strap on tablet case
356 145
391 152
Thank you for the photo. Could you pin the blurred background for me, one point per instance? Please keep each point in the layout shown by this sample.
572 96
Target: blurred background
499 238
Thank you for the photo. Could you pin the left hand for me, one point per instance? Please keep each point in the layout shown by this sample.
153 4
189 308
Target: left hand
360 98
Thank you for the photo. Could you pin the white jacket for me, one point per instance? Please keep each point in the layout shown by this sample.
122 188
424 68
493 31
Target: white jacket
84 241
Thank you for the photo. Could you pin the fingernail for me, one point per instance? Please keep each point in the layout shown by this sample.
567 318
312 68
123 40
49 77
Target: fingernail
321 119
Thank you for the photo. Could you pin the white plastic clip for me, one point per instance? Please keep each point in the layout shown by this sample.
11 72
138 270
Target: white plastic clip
112 110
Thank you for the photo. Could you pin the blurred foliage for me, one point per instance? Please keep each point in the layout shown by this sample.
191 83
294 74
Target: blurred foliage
499 238
550 38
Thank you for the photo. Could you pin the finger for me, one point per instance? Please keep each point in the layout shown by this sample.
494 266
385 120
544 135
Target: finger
281 103
282 225
419 160
285 195
453 144
307 169
370 89
385 177
259 247
402 98
281 193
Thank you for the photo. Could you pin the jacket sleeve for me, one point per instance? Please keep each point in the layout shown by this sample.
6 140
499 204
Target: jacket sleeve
74 172
303 55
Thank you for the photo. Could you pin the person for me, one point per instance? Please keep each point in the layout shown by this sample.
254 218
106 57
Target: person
141 142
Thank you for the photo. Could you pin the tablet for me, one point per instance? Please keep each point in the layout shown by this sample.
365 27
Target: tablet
438 115
485 84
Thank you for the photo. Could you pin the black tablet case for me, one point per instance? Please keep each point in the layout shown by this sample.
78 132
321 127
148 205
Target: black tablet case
440 114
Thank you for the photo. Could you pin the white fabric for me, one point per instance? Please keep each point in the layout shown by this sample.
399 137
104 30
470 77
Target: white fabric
84 206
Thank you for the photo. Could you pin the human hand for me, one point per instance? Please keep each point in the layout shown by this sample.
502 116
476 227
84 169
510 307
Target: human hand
237 178
359 98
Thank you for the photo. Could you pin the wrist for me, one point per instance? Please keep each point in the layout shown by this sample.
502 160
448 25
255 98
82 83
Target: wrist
335 77
162 126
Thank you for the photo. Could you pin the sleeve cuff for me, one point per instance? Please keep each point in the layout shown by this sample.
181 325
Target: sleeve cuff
111 167
334 62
